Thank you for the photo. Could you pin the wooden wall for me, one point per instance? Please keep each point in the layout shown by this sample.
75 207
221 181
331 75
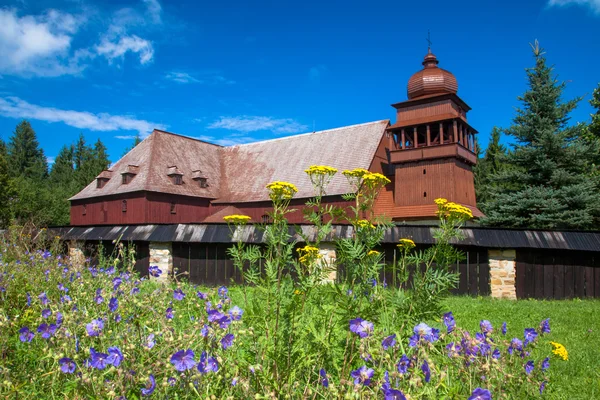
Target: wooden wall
557 274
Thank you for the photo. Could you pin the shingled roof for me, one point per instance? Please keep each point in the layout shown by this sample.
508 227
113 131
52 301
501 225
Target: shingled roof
240 173
250 167
155 158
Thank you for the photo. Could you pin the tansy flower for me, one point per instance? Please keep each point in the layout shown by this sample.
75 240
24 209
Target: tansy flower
363 224
281 190
308 254
406 244
320 170
237 219
373 253
560 351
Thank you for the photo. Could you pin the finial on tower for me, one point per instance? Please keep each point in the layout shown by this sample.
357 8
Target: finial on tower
428 41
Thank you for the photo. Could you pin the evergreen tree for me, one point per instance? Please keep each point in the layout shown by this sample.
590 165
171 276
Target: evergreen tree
6 188
547 182
100 157
593 129
491 164
25 157
136 140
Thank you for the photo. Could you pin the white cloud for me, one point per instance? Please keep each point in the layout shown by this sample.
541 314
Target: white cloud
246 123
314 73
39 45
154 10
14 107
593 4
125 137
116 47
206 78
50 160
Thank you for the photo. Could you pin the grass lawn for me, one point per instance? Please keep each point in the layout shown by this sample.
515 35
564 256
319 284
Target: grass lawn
574 323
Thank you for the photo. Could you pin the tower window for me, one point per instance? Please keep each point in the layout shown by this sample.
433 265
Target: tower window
127 178
173 208
424 194
124 206
101 182
84 210
177 179
424 171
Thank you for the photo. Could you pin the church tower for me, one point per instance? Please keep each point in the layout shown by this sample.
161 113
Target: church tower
431 147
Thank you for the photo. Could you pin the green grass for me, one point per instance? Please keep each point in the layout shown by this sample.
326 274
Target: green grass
574 323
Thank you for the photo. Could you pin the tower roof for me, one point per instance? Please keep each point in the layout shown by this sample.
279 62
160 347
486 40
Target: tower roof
431 80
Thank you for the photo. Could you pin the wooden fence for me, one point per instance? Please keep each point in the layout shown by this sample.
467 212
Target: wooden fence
553 274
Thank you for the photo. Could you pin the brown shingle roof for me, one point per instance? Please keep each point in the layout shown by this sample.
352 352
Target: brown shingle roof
240 173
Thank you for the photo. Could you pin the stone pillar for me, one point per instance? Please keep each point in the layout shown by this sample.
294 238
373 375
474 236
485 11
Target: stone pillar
76 253
161 255
328 259
503 273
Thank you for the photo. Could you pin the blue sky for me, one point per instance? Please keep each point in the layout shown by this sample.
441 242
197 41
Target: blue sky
238 71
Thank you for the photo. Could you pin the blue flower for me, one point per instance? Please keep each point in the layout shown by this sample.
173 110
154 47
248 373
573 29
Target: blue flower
545 326
114 356
150 341
26 335
154 271
207 364
530 335
46 313
43 299
449 321
236 313
67 365
95 327
542 387
388 342
183 360
362 375
324 379
113 304
227 341
496 354
486 326
46 330
480 394
426 370
223 291
529 367
178 294
545 364
423 332
453 349
403 364
98 360
169 313
361 327
149 389
515 344
98 298
28 299
393 394
202 296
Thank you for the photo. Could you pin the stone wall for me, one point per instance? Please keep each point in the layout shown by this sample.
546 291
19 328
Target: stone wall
76 253
503 273
328 258
161 255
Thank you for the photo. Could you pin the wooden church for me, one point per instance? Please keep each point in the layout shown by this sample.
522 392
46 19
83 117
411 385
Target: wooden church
429 152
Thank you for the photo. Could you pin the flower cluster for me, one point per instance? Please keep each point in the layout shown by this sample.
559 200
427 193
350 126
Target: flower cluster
308 254
320 170
452 210
375 179
237 219
355 173
560 351
406 244
364 224
279 191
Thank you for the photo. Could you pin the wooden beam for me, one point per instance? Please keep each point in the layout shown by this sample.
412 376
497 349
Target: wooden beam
428 135
455 128
416 140
403 143
442 138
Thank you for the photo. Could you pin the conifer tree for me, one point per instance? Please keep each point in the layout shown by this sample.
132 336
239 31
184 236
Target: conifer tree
6 188
25 157
547 183
593 129
488 166
136 140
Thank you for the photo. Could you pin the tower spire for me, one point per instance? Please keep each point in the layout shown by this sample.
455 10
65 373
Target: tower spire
428 41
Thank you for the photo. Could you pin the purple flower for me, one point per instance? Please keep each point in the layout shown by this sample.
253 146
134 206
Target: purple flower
486 326
178 294
26 335
324 380
223 291
113 304
147 391
46 330
529 367
114 356
234 381
171 381
480 394
207 364
134 290
393 394
183 360
44 299
227 341
154 271
214 315
504 328
545 326
530 335
46 313
202 296
150 341
496 354
403 364
28 299
361 327
169 313
59 318
95 327
423 332
116 282
453 349
363 375
449 321
389 341
98 299
235 313
98 360
542 387
515 344
67 365
545 364
426 370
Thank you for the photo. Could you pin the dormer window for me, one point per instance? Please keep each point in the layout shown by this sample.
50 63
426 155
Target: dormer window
176 175
103 178
129 174
199 177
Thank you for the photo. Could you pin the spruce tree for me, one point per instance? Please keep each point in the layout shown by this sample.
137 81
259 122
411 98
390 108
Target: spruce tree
546 184
488 166
136 140
25 157
593 129
6 188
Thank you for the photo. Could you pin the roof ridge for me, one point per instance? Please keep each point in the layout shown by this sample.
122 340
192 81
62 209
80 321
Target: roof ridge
309 133
186 137
150 162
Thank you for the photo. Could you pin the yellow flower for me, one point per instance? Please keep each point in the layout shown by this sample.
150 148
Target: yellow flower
560 351
363 223
237 219
375 179
298 291
320 170
355 173
308 254
281 190
440 201
406 244
453 210
373 253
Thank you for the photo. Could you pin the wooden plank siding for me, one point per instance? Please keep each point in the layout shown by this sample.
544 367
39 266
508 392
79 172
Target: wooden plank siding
554 274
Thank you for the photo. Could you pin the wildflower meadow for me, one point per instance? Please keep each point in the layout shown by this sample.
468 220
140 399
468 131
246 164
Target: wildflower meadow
97 329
